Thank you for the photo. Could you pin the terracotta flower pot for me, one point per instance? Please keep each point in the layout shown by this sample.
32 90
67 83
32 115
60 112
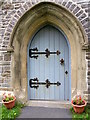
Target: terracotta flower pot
79 108
9 104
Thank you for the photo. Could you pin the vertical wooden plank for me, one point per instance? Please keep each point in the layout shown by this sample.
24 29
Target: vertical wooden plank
66 69
42 64
37 72
57 65
46 43
32 71
62 68
52 74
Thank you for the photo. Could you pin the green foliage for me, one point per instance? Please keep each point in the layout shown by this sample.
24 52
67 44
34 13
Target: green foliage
11 114
78 100
7 99
84 116
11 98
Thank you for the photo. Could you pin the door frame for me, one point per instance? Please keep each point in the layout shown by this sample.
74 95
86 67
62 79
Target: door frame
28 62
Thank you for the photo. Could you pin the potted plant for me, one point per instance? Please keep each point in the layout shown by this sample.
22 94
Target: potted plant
8 100
78 104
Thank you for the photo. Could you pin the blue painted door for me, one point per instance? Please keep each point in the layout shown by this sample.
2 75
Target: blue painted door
55 67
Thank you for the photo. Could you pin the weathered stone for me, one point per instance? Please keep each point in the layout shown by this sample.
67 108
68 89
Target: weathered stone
68 5
7 6
7 34
76 10
85 5
89 88
88 53
88 63
6 68
9 30
22 10
16 16
18 1
60 1
88 34
86 10
28 4
86 26
6 38
5 23
12 23
5 85
5 63
19 13
25 6
82 16
17 6
64 3
88 39
5 43
7 57
0 71
89 10
5 74
79 13
72 7
33 2
2 30
14 20
88 81
85 21
1 58
88 72
10 26
87 57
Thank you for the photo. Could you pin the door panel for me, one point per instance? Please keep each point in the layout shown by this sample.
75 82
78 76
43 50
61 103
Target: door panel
50 68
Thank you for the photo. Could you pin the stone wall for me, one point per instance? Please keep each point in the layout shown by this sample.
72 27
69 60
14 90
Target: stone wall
10 13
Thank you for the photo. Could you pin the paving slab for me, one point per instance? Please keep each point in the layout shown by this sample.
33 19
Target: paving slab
45 112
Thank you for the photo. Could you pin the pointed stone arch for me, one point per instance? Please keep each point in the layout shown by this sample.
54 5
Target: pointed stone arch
71 6
41 14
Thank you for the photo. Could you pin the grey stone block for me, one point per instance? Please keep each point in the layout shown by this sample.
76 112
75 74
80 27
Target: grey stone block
72 7
68 4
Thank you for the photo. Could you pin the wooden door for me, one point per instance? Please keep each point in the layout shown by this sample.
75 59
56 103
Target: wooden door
55 67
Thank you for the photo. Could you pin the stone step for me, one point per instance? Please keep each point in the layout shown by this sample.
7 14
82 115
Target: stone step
50 104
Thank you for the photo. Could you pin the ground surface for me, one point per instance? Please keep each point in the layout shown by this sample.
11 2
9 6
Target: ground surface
44 112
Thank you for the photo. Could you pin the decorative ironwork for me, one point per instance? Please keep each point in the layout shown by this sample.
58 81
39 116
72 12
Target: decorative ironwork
66 72
33 53
62 61
34 83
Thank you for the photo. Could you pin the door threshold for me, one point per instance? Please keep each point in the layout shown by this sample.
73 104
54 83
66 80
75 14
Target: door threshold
50 104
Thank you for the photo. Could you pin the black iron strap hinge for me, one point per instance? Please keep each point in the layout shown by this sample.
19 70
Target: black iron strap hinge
33 53
34 83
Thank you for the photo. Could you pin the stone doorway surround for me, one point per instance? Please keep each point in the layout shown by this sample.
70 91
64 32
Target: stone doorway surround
38 16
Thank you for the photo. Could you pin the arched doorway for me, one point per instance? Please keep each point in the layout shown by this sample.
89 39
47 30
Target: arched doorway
49 65
38 16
